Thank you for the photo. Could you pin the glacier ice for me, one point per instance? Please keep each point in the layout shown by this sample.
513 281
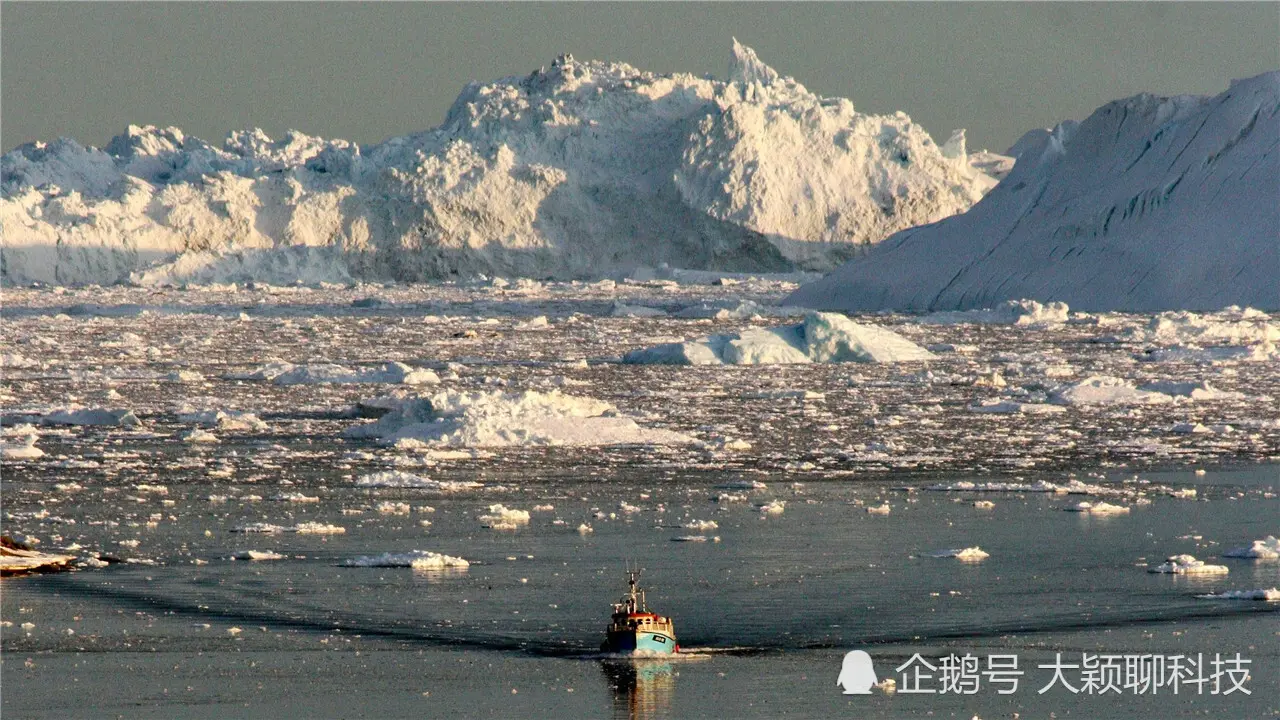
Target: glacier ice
581 169
1149 204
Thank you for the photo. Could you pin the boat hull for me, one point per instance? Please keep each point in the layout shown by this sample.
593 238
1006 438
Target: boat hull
641 642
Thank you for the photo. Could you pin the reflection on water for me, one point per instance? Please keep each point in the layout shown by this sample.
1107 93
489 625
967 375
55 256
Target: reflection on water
642 688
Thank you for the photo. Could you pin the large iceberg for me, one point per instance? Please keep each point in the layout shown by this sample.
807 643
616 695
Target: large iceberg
822 338
579 169
1150 204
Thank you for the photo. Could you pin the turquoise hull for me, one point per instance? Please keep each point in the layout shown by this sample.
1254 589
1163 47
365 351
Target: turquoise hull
641 641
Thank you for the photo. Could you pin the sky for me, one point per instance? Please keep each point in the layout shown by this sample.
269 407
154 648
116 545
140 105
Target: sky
369 71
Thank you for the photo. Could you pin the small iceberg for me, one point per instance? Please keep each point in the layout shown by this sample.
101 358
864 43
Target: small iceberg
501 419
257 555
1101 508
284 373
1265 595
1188 565
821 338
416 559
401 479
1265 549
500 517
970 554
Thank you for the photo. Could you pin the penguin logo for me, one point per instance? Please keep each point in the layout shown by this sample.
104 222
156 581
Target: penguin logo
857 674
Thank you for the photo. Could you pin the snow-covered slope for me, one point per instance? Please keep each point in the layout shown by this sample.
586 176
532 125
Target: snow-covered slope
1149 204
583 169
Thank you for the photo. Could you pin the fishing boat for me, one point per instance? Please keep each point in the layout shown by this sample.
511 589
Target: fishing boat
633 629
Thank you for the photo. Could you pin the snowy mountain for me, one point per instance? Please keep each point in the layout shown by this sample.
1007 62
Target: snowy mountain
583 169
1149 204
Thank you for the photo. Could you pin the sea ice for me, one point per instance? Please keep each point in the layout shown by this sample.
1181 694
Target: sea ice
1104 390
416 559
970 554
258 555
80 415
19 443
1268 548
400 479
1009 312
500 517
283 373
1100 508
822 337
1188 565
493 418
1266 595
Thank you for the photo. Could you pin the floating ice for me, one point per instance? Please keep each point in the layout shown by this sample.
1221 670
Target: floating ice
882 509
416 559
1188 565
1201 390
296 497
200 437
702 525
500 517
1104 390
1268 549
1266 595
1013 407
773 507
317 528
80 415
229 420
1149 204
580 168
492 418
306 528
258 555
1009 312
400 479
1101 508
970 554
19 443
283 373
823 338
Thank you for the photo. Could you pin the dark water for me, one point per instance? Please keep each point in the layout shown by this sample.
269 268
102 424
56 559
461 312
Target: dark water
768 611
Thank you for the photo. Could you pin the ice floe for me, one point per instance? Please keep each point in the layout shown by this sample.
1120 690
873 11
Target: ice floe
1013 407
19 443
400 479
416 559
258 555
1099 508
1267 548
304 528
969 554
80 415
1264 595
228 420
500 517
1188 565
821 338
283 373
1009 312
1106 390
494 418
